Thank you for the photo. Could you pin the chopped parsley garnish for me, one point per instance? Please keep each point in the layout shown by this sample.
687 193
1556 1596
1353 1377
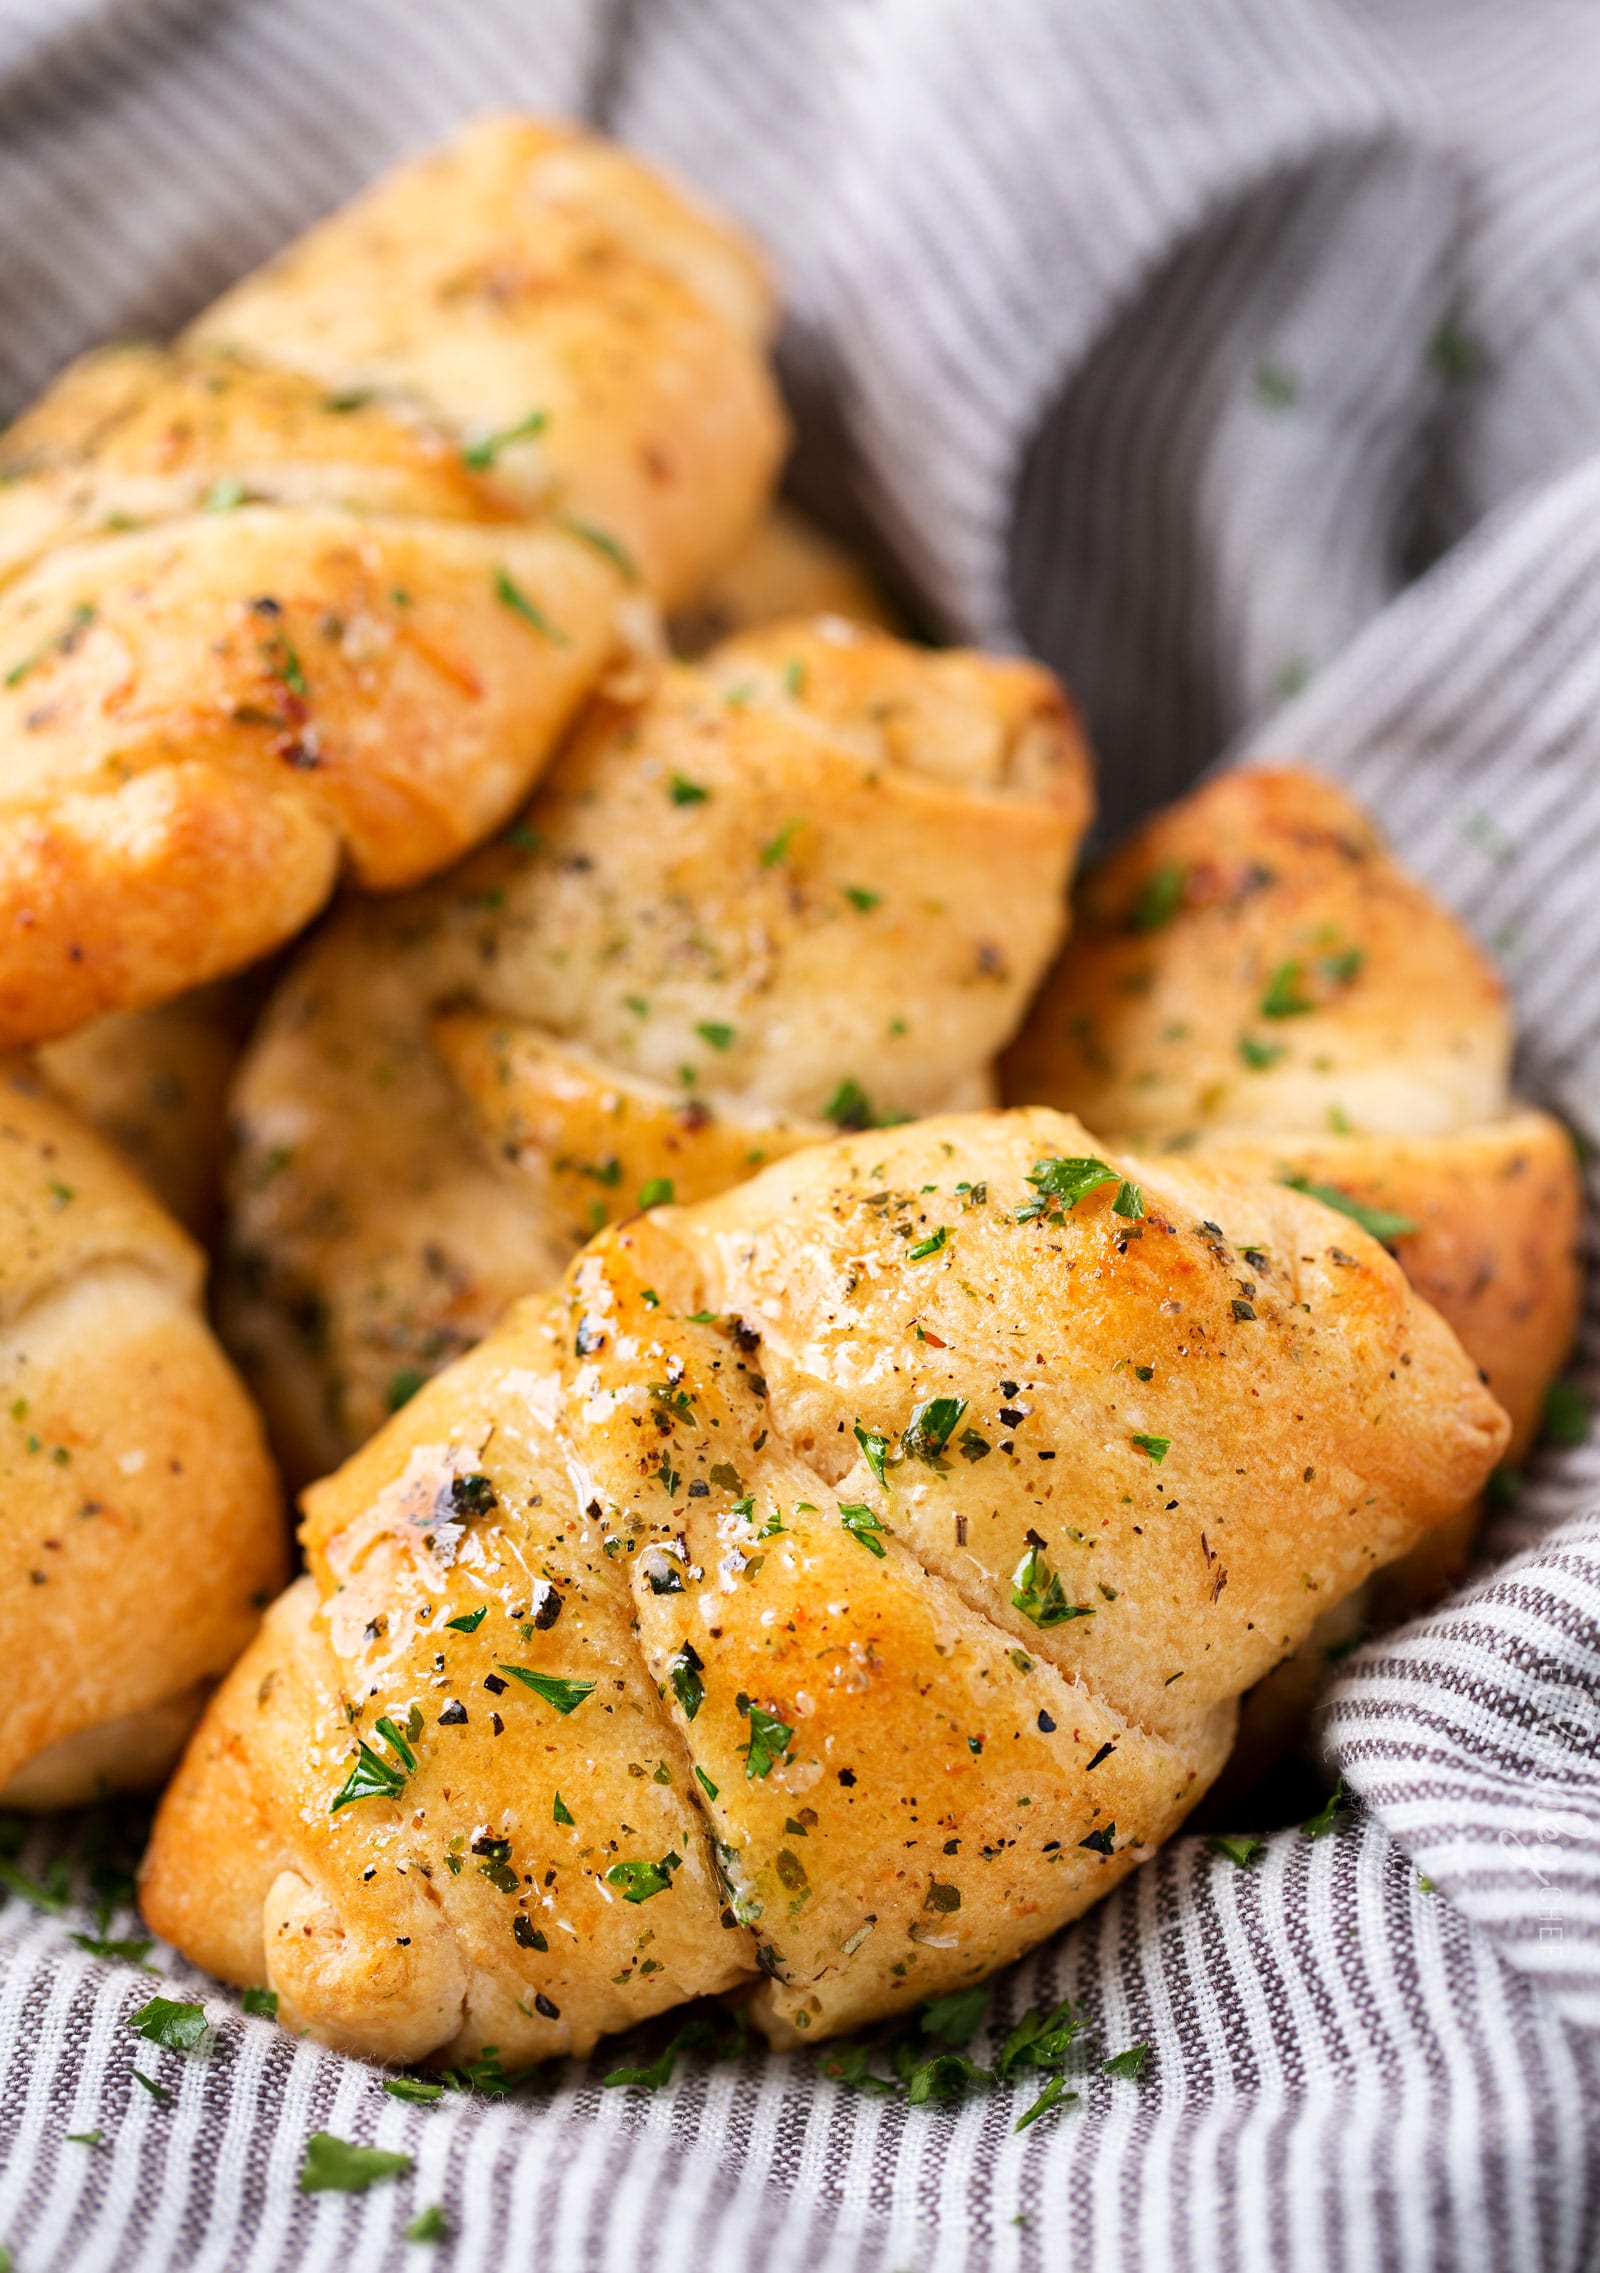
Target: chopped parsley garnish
682 791
659 2073
560 1812
1381 1223
554 1688
848 1107
1455 356
1129 1202
1060 1183
769 1739
403 1386
1286 995
416 2091
1503 1487
511 595
932 1424
156 2091
485 2074
684 1671
945 2076
472 1495
1042 2038
86 2138
932 1245
373 1777
603 542
469 1620
719 1036
640 1881
955 2018
862 898
875 1447
1157 1447
126 1952
1276 385
658 1193
1131 2063
862 1524
164 2020
430 2224
1158 899
1036 1591
777 849
480 455
1055 2094
282 657
1240 1849
1319 1825
225 494
338 2166
1258 1056
704 1781
51 1897
1566 1414
262 2002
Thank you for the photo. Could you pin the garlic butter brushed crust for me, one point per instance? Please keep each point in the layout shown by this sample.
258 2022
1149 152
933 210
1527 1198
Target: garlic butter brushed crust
817 874
835 1587
317 591
141 1528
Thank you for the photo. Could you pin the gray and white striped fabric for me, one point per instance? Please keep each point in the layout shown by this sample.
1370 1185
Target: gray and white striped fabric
1241 357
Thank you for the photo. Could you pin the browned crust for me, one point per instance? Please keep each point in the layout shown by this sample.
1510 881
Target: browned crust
1253 959
133 1463
671 1446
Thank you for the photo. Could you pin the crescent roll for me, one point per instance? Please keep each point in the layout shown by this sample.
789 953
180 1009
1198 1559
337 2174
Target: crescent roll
317 591
142 1528
1254 979
810 881
830 1590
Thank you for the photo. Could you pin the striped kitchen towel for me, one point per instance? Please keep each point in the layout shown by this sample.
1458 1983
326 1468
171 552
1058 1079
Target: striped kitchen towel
1242 359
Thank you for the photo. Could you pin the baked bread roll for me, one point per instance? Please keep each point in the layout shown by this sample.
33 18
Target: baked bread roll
834 1588
318 591
1254 979
812 880
142 1529
156 1081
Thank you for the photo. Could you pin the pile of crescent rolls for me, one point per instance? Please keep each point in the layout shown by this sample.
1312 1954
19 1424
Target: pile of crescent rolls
827 1411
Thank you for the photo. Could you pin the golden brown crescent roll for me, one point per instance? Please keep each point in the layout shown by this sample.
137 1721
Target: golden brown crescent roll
813 879
789 567
1253 978
319 590
142 1528
555 302
836 1586
1252 959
